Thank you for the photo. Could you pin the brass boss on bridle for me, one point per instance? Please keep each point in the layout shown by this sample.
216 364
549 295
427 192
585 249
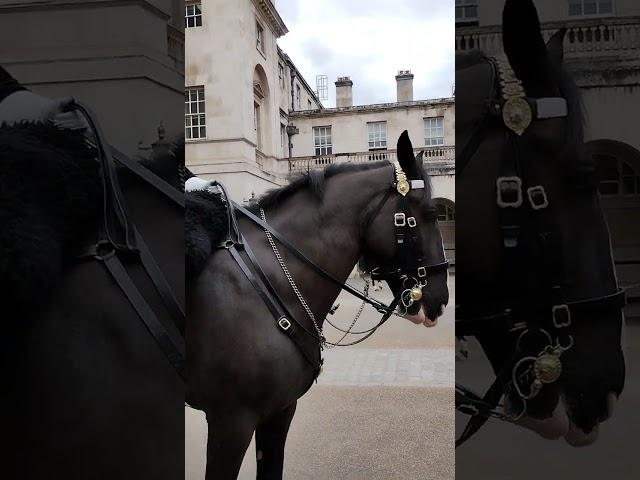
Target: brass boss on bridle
542 328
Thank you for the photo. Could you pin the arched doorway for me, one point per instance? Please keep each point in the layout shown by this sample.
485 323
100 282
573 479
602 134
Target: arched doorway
261 110
618 166
446 210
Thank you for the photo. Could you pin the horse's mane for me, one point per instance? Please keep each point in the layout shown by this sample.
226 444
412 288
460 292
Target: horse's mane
315 181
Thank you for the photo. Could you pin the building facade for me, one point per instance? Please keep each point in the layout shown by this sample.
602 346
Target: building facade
111 55
602 50
252 120
240 90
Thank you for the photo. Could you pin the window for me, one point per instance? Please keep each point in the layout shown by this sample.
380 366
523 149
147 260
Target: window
309 107
590 7
434 131
322 141
377 135
298 97
281 75
283 139
446 213
193 15
194 111
259 37
466 11
617 177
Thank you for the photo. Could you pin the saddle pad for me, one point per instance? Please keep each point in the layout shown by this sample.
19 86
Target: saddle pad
206 227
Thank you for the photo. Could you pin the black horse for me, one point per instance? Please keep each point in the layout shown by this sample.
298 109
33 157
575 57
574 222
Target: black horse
86 390
535 280
243 369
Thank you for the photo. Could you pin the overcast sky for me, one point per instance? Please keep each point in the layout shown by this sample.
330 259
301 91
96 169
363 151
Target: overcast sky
370 40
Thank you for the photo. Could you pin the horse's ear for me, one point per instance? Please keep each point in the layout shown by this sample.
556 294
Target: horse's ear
523 41
555 47
406 158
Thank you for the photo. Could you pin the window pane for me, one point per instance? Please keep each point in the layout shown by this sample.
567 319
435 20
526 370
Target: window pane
590 7
606 6
575 7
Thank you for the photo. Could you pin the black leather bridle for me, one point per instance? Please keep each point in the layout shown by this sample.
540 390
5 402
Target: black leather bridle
308 342
519 198
118 239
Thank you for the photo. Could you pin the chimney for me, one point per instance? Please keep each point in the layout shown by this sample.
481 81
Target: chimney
404 80
344 92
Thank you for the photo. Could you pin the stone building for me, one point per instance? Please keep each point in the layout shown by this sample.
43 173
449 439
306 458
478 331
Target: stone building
240 90
602 50
111 55
252 119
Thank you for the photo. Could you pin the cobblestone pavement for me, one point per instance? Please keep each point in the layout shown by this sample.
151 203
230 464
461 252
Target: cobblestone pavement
388 367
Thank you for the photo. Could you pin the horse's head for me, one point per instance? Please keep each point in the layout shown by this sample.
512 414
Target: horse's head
403 241
537 241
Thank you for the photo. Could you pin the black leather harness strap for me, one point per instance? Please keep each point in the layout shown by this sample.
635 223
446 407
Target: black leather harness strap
174 349
306 260
120 237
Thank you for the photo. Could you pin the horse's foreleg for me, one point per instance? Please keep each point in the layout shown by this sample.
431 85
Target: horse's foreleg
228 440
271 436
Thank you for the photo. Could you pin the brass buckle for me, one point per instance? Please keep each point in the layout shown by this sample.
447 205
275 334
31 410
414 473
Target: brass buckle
561 316
399 219
284 323
509 187
411 221
537 197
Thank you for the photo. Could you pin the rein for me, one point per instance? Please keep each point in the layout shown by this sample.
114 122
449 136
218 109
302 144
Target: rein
235 243
525 372
119 237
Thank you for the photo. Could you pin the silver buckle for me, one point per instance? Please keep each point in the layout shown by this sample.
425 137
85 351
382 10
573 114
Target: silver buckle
422 272
399 219
284 323
533 192
565 320
411 221
503 182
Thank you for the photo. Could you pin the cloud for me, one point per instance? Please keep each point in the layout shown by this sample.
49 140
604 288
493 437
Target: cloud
370 40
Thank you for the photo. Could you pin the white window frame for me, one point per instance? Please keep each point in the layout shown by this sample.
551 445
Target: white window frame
598 12
377 135
322 141
619 180
260 37
193 15
195 118
462 6
434 133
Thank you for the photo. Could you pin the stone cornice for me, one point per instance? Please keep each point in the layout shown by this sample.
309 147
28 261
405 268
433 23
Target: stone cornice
273 17
436 103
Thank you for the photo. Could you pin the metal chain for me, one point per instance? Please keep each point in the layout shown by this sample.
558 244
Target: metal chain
295 288
353 323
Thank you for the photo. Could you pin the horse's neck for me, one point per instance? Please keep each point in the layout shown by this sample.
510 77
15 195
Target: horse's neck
328 232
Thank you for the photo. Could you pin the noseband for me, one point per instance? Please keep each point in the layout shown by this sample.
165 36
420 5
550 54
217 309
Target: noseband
544 330
310 343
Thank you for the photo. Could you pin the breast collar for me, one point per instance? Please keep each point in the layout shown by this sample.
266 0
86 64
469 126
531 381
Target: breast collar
519 195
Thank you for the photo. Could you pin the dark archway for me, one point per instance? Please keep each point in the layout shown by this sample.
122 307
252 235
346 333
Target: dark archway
447 220
618 166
